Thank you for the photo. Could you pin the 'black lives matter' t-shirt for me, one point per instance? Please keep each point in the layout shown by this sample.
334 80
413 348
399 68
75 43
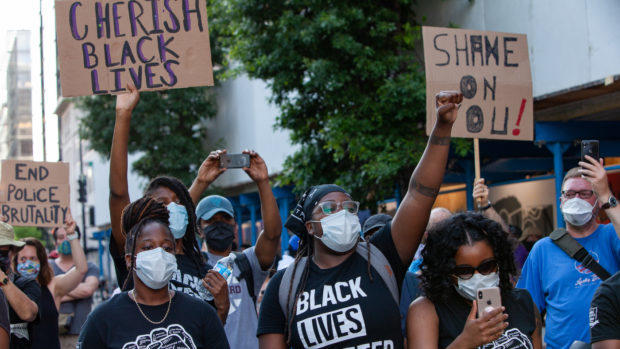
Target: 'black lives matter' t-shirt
340 307
605 311
187 278
521 320
117 323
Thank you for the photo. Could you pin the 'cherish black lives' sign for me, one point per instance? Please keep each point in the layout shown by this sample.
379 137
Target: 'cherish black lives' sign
155 44
492 71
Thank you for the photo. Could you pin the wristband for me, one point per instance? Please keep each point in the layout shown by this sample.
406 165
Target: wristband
484 208
72 237
4 281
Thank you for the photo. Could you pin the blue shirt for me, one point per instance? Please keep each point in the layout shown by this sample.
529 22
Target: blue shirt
563 287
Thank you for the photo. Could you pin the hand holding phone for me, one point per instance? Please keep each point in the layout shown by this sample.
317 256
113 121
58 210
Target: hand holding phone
234 160
488 299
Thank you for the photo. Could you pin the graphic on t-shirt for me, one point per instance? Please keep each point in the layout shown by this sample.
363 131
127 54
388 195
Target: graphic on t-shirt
234 294
511 339
172 337
593 316
335 325
187 283
580 268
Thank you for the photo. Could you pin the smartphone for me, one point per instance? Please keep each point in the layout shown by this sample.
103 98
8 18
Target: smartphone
488 297
234 160
589 147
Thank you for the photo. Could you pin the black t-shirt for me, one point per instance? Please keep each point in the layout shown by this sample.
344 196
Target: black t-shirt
45 332
605 310
521 320
118 323
4 313
187 278
21 333
340 307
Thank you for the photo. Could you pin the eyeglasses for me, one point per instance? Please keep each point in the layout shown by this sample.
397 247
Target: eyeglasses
465 272
584 194
331 207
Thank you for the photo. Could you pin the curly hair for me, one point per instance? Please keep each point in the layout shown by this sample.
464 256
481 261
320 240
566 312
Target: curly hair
190 245
447 237
137 215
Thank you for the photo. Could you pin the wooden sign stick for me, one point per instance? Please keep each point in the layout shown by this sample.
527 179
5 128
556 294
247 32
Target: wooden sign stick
477 164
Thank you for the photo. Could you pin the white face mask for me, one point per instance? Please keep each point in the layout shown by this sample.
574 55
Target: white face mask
178 219
577 212
341 231
155 267
468 288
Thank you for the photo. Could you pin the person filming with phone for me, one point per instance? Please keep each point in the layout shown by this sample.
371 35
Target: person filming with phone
564 285
468 299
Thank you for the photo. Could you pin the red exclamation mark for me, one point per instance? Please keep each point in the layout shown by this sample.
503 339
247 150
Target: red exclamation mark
516 131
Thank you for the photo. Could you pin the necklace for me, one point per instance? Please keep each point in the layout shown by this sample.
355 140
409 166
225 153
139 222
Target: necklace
133 293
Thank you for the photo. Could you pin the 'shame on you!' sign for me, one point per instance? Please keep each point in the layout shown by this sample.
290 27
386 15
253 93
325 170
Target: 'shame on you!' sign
155 44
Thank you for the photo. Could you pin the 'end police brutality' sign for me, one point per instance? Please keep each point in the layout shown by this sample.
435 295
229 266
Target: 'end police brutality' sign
492 70
156 44
34 193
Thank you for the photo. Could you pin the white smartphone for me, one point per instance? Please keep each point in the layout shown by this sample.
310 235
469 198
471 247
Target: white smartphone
488 297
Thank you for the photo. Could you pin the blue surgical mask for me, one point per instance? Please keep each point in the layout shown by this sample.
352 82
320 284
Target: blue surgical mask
178 219
64 248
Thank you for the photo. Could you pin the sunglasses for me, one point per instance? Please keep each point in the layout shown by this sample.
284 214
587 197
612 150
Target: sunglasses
331 207
465 272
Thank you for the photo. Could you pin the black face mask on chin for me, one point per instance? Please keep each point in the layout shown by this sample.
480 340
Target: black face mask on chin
219 236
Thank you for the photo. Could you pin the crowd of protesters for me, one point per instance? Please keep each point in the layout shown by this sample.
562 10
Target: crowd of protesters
411 280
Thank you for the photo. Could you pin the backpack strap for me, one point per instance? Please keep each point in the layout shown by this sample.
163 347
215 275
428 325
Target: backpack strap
381 265
285 303
573 249
245 273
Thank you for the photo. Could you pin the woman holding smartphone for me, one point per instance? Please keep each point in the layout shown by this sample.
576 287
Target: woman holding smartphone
463 254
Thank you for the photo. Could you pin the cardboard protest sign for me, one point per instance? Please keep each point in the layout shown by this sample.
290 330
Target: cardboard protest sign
34 193
492 70
156 44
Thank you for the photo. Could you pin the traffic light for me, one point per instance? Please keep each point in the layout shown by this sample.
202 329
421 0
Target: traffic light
82 189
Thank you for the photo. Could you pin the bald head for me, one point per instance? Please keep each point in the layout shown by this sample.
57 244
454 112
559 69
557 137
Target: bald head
437 215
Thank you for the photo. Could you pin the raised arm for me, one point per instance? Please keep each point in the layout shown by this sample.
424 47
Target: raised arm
594 172
411 217
119 189
207 174
268 241
63 284
481 198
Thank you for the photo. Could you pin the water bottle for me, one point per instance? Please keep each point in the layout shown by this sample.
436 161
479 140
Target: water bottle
225 267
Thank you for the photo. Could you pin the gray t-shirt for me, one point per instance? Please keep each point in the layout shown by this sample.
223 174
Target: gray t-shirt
79 307
242 320
4 313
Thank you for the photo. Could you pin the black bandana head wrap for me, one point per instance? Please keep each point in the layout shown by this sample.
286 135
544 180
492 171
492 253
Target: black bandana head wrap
296 222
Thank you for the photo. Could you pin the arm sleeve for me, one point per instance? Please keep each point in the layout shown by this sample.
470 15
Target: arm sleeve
89 336
604 318
531 281
258 273
384 242
271 319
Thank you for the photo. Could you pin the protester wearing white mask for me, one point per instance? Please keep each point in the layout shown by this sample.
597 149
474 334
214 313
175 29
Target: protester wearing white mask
151 314
463 254
340 286
558 283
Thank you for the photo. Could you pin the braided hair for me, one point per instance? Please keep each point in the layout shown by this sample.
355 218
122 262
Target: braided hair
135 217
190 245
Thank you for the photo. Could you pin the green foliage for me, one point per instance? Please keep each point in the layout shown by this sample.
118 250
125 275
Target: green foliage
30 232
349 82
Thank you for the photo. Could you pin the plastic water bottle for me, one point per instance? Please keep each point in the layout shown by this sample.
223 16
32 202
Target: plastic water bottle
225 267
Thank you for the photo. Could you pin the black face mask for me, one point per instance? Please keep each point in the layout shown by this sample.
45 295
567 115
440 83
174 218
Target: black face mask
219 236
528 244
5 261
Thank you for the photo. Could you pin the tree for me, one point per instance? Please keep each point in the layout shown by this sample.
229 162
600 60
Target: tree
349 83
167 127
